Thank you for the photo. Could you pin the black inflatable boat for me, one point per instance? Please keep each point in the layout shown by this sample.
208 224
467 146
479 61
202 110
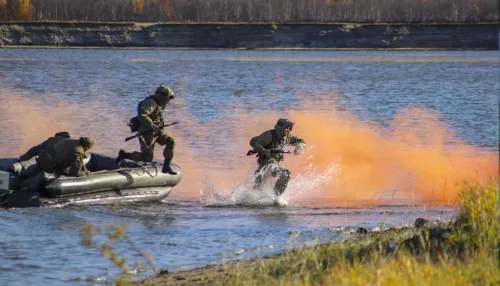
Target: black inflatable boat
108 183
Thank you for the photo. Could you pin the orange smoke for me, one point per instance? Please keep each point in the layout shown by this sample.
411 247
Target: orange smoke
411 160
27 121
415 160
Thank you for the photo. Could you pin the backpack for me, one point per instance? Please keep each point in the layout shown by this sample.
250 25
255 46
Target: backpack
134 122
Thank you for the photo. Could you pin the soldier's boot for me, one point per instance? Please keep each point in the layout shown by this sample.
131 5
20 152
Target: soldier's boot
122 155
168 154
167 169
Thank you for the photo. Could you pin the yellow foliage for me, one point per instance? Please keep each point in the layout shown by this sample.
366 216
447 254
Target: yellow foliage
138 7
24 10
467 256
408 270
478 214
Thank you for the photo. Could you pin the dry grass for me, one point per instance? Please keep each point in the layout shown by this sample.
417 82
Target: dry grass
462 253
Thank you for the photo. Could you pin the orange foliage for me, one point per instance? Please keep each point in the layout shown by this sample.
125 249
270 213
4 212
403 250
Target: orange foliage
167 8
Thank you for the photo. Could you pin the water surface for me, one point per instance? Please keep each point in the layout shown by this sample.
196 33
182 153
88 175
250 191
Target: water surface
222 97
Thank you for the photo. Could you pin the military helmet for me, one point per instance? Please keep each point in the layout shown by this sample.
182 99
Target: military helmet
165 91
86 141
62 134
285 123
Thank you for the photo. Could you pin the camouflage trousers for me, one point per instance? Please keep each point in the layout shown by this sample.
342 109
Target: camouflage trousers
147 143
271 168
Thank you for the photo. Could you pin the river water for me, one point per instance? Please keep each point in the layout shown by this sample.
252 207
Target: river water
389 137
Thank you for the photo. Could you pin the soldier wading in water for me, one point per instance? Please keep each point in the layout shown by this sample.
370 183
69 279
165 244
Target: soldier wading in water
149 118
269 146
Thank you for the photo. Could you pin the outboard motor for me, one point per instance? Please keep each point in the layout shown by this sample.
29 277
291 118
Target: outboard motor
23 200
3 198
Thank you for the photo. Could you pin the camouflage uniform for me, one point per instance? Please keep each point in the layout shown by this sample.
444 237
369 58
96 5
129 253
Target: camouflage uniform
274 139
149 112
34 151
27 159
64 158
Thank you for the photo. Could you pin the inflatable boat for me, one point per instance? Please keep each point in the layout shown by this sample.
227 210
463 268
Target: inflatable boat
108 183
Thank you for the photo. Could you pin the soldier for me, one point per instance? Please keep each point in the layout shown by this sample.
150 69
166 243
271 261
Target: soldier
25 160
149 115
66 157
34 151
268 145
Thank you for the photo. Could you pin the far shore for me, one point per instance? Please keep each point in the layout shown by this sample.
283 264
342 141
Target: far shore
235 49
251 36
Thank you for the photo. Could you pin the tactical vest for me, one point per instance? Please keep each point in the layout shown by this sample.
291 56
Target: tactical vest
276 143
157 114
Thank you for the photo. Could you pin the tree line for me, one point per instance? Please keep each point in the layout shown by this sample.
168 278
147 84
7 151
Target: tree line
252 11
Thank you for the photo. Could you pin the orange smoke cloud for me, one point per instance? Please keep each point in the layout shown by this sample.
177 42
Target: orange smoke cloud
411 160
27 121
416 159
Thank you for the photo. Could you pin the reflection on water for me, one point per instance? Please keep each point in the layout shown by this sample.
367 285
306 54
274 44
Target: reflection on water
389 134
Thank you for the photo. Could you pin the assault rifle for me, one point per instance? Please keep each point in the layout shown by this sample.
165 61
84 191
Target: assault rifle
148 131
273 151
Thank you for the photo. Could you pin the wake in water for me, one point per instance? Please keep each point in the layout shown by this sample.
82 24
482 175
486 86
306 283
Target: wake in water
244 194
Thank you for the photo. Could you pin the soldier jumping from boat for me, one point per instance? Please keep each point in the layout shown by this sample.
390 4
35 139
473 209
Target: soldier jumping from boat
147 123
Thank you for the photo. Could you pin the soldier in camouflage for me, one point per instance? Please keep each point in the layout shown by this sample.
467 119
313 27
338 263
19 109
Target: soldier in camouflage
27 158
63 158
34 151
150 115
275 139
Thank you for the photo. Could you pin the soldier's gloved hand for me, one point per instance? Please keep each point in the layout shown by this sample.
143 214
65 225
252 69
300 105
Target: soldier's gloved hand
266 152
154 127
298 148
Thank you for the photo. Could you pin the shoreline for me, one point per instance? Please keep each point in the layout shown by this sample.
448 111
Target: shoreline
221 273
252 36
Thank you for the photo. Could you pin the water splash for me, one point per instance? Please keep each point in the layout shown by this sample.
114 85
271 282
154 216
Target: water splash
244 194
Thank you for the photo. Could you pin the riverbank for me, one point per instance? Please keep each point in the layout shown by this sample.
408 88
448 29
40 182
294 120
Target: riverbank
464 251
350 36
229 273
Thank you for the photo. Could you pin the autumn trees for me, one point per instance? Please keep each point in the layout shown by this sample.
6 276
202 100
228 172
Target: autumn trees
280 11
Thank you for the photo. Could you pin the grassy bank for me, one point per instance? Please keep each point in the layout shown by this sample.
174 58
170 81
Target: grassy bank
464 251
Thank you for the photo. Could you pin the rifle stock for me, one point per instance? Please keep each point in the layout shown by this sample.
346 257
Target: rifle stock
151 130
